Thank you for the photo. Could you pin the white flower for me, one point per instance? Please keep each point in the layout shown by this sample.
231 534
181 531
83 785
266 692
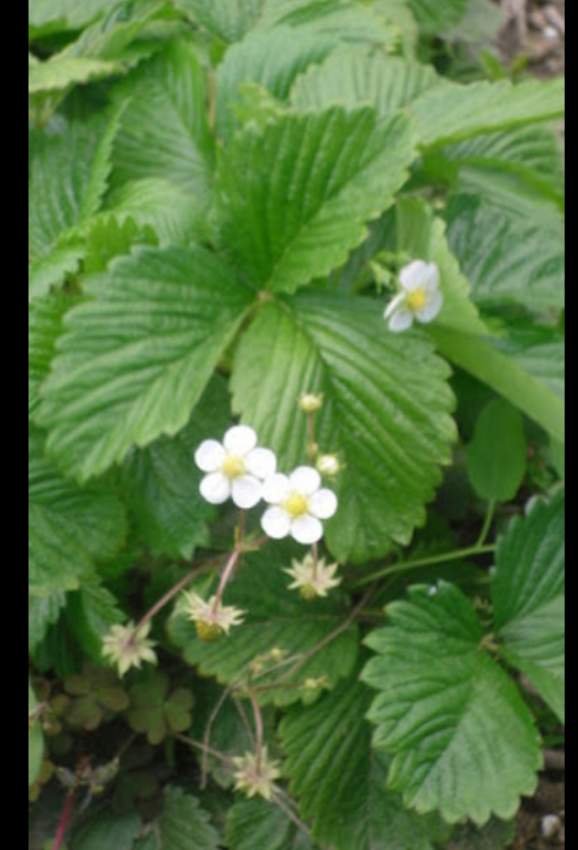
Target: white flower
210 620
312 579
235 469
420 297
127 646
299 505
256 775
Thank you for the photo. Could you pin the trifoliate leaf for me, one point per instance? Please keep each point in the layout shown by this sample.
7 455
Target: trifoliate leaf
90 612
452 111
385 413
134 360
528 597
289 215
35 738
496 455
461 738
164 131
482 359
257 823
273 59
69 526
183 825
351 75
161 482
492 248
421 235
314 635
105 829
154 710
340 783
96 691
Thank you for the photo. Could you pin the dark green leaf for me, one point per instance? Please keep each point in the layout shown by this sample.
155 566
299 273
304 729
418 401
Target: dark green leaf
496 456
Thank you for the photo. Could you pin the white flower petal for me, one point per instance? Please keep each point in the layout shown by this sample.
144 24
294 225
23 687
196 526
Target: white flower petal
215 488
305 480
394 304
432 278
276 488
432 308
240 439
306 529
323 504
276 523
414 275
401 320
246 491
209 456
261 463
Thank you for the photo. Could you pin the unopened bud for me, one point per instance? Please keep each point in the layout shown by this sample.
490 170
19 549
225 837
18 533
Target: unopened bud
310 403
328 465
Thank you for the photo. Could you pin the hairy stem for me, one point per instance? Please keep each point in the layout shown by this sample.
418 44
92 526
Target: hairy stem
406 566
65 818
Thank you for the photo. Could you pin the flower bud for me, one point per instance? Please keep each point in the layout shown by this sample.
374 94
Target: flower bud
310 403
328 465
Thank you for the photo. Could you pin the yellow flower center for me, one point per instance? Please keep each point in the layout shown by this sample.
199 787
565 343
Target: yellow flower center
208 631
296 504
233 466
416 300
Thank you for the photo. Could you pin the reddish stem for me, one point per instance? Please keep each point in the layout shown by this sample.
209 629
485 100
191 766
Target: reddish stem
64 821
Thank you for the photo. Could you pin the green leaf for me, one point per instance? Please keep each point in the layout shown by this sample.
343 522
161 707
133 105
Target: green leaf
44 328
528 597
69 526
256 823
68 14
229 20
154 710
451 111
60 72
276 617
496 456
161 482
462 739
68 178
340 782
386 410
274 59
35 739
351 75
503 374
183 825
434 18
527 162
177 217
505 258
43 611
106 829
540 351
495 835
133 361
90 612
290 215
164 131
109 236
420 235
